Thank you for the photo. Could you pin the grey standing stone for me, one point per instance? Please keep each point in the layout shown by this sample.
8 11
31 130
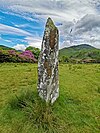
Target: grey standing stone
48 82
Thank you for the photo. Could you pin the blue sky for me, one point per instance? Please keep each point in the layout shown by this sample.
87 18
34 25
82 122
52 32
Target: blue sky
22 22
17 30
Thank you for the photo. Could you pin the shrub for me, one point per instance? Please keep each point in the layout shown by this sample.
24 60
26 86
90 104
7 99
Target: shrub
14 56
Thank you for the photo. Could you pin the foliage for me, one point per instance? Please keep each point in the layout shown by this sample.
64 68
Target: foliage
35 51
27 55
63 59
75 111
14 56
80 54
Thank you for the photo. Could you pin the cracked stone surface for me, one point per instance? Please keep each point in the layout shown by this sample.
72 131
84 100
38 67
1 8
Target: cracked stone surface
48 82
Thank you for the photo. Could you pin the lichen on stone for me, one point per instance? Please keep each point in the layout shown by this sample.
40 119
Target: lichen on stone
48 83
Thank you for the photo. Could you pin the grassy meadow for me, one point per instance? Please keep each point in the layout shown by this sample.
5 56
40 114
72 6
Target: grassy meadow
77 110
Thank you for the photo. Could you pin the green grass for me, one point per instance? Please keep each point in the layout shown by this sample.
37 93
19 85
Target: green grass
77 110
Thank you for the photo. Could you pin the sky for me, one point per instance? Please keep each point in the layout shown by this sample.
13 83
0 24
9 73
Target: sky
22 22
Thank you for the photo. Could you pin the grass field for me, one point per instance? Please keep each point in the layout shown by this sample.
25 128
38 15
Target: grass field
77 110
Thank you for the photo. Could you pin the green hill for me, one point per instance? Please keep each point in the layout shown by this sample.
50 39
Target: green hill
80 52
2 47
73 50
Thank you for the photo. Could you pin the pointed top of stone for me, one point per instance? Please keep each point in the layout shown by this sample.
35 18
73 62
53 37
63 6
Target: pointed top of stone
50 23
49 20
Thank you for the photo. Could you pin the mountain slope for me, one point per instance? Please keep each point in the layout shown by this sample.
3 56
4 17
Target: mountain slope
83 51
73 50
82 46
2 47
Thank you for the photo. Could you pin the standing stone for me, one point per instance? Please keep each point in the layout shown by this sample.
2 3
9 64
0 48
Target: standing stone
48 84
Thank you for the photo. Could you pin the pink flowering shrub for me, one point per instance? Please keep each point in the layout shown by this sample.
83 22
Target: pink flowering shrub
28 56
14 56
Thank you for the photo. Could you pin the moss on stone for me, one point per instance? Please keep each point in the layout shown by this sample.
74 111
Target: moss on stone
50 24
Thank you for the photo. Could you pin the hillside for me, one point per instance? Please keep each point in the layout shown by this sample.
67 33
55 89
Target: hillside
83 51
2 47
70 51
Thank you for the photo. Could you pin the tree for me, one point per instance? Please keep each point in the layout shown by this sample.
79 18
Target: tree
35 51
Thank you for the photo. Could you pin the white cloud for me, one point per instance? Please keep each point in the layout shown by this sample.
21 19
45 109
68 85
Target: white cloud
77 27
21 47
31 41
86 30
5 29
2 39
34 41
57 9
87 23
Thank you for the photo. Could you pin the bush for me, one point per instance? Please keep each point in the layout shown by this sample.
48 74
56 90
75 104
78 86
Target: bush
35 51
14 56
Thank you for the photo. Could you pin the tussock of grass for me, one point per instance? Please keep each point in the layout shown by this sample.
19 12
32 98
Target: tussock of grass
36 112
